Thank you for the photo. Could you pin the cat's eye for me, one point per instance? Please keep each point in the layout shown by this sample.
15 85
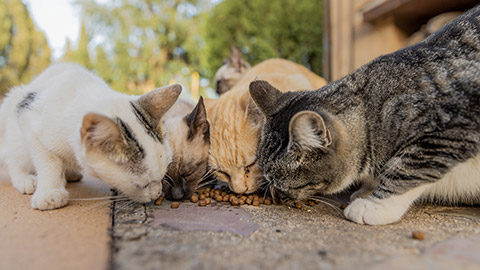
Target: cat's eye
248 167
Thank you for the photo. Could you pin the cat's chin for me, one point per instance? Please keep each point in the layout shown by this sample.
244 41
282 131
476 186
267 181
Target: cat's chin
151 192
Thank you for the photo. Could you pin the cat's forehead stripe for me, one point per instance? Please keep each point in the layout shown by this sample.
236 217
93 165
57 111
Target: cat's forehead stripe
129 136
147 122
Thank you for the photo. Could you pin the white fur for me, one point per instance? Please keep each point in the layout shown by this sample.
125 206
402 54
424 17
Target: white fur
374 211
460 185
40 143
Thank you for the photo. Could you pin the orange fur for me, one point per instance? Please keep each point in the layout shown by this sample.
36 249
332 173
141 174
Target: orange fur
235 122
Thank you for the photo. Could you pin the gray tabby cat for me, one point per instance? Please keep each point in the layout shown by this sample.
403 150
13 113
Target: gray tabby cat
406 126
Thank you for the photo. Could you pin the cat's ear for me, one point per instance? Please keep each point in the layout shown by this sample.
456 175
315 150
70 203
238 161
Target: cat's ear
265 96
308 131
236 58
197 122
99 131
250 109
157 102
209 103
253 113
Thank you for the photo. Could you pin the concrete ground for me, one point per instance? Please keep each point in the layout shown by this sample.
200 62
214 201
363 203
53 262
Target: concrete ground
309 238
220 236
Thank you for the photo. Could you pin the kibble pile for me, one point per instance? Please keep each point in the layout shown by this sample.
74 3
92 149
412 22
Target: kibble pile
204 197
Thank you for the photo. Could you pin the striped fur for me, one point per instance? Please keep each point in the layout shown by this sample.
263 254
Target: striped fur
235 123
406 123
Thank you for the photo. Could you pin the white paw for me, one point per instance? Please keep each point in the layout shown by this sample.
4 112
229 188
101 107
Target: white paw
25 184
49 199
373 212
154 190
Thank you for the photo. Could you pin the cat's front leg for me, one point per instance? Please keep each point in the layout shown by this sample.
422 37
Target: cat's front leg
376 211
51 192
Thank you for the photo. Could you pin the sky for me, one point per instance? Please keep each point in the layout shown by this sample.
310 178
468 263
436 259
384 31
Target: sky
58 19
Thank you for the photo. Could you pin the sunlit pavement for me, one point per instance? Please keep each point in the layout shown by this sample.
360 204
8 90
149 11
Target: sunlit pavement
73 237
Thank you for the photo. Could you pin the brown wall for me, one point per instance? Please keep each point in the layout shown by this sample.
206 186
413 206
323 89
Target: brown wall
357 31
354 42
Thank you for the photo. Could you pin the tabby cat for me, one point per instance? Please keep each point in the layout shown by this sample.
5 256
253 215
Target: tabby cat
68 119
406 124
236 122
187 131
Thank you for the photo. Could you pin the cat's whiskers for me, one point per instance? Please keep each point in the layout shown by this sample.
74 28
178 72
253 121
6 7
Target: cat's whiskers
206 183
336 208
267 187
168 180
99 198
99 204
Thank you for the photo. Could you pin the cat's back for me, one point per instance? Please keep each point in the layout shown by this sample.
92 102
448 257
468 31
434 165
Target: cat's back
283 74
65 79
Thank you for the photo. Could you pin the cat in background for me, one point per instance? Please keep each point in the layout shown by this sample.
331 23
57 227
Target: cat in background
187 131
236 122
68 120
406 126
231 72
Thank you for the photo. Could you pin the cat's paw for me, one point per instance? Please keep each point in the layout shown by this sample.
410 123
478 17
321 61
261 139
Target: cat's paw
49 199
372 212
154 190
25 184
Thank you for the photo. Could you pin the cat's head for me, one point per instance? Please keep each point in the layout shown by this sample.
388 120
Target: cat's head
301 150
231 71
190 140
235 128
129 150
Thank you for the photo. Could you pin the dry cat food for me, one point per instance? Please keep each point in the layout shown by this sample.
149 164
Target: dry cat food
418 235
159 201
204 197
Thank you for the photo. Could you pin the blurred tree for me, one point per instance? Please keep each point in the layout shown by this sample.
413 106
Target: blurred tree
5 31
288 29
102 65
80 55
24 50
149 43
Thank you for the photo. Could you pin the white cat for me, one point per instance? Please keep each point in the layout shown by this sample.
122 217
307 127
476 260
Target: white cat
68 120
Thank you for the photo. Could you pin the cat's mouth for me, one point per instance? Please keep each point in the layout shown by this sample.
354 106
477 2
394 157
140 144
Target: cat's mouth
281 197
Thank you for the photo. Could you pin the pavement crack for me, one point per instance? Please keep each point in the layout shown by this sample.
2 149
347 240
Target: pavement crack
145 214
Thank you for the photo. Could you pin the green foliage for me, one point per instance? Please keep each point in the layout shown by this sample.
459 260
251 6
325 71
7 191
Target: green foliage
5 29
287 29
24 51
147 42
80 55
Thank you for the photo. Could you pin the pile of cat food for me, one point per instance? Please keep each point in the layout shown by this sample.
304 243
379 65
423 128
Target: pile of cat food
204 197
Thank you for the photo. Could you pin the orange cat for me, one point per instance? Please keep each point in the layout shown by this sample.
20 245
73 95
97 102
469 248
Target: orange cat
236 122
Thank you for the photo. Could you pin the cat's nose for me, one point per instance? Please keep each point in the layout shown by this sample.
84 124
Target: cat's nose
239 189
178 193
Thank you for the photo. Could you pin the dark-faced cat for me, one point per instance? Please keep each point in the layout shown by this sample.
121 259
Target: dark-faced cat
406 124
187 131
231 72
